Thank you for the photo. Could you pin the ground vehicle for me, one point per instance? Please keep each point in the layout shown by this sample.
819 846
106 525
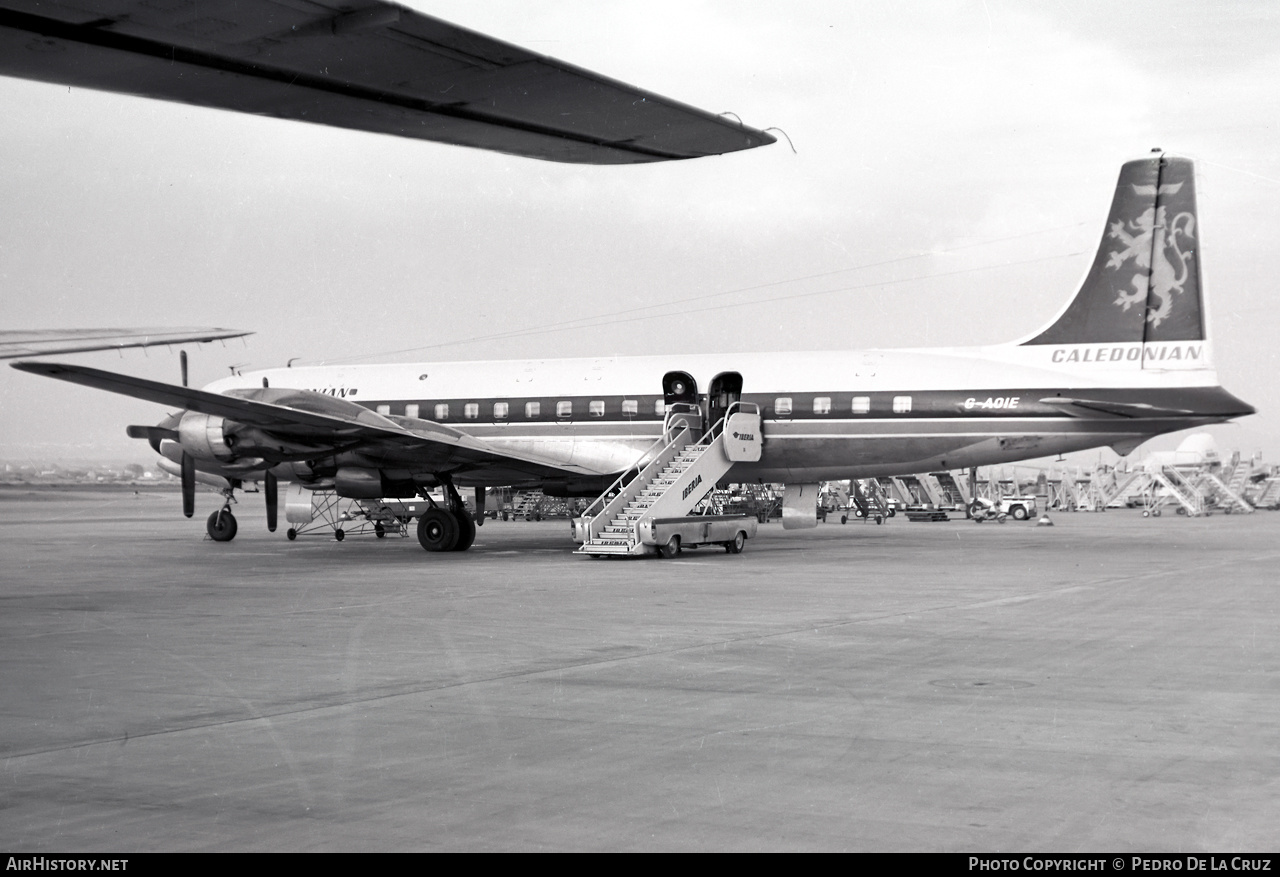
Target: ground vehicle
1020 508
985 510
671 535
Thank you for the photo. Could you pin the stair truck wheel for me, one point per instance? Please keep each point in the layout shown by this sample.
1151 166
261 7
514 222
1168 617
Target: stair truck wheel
1019 513
738 543
672 548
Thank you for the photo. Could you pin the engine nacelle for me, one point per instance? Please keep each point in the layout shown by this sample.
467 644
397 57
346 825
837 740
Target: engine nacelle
204 437
800 506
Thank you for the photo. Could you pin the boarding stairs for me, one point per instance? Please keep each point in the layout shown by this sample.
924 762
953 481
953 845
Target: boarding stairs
1269 498
950 489
1227 498
682 469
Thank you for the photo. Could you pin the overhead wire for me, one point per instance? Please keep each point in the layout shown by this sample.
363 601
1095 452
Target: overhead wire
627 315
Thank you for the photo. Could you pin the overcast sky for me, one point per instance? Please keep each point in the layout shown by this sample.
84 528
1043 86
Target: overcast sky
971 146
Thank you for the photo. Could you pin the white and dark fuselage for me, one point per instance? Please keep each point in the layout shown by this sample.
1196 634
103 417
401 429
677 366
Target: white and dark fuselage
826 415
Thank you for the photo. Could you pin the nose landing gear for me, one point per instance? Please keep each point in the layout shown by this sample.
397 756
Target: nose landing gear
221 525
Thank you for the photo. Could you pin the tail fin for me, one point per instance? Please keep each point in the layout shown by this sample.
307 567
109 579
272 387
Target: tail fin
1144 284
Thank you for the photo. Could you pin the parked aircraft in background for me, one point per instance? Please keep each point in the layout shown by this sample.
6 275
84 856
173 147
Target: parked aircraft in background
46 342
1128 358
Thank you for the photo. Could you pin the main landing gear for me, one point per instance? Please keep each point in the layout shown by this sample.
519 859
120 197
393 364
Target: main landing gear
447 529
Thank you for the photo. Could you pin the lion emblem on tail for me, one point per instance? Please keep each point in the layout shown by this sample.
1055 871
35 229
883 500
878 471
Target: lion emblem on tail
1160 249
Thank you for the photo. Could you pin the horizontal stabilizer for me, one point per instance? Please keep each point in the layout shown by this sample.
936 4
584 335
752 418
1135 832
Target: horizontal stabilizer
1085 407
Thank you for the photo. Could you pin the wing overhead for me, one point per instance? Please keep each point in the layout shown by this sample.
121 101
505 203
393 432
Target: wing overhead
371 66
314 418
43 342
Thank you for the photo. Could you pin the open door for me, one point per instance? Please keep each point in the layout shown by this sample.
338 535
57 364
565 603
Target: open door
725 389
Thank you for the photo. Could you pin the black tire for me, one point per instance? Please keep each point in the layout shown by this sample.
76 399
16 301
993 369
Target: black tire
879 519
844 519
437 530
1019 513
973 509
380 531
761 517
466 531
339 534
291 534
222 526
672 548
892 512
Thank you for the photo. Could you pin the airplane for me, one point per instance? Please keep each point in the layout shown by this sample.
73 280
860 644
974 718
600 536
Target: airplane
1127 358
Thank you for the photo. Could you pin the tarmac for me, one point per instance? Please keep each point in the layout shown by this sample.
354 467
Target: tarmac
1108 684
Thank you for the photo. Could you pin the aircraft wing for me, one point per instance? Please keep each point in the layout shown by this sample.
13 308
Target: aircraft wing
43 342
317 419
1086 407
371 66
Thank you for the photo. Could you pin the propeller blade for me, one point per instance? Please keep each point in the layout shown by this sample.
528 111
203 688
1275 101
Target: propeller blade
182 361
188 484
272 495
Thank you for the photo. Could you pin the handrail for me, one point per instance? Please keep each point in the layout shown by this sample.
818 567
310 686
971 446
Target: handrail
652 452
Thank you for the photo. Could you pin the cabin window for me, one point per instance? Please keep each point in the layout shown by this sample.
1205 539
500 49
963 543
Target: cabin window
596 408
411 411
442 411
630 407
901 404
471 411
532 410
564 408
861 404
659 408
383 409
822 405
782 406
500 410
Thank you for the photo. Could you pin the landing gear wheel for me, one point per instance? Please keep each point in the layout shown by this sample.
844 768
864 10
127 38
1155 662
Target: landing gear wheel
339 534
892 512
879 519
291 534
437 530
736 546
761 517
844 519
222 525
672 548
380 531
466 531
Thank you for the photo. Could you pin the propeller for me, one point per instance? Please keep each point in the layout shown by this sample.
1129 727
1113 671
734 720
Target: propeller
271 494
188 484
188 461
